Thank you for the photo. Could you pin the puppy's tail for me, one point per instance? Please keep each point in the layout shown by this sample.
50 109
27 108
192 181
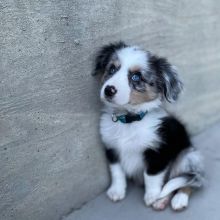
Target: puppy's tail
194 180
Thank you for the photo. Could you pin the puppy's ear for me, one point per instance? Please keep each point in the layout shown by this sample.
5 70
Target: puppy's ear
104 55
168 80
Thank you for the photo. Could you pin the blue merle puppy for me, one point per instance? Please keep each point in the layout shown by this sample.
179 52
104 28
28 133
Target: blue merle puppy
142 140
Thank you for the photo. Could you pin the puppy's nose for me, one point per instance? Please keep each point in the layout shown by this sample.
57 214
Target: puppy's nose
110 91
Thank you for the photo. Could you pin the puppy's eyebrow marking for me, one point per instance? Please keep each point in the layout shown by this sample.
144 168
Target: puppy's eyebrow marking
135 69
116 63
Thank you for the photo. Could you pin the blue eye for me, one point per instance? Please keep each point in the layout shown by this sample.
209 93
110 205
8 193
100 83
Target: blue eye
136 78
112 69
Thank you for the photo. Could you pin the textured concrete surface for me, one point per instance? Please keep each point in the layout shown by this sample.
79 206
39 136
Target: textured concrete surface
204 204
51 160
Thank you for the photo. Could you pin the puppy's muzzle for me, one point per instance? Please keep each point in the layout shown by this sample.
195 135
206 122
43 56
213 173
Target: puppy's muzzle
110 91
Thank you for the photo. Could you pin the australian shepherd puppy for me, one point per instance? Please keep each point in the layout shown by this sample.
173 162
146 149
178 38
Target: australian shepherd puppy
142 140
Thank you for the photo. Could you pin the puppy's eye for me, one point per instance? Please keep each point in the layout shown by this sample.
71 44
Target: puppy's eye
136 77
112 69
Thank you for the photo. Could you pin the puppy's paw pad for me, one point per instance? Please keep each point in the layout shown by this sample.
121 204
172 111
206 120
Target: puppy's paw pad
180 201
161 204
151 197
115 193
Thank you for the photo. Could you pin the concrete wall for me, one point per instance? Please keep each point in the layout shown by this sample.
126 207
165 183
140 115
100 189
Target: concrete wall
51 159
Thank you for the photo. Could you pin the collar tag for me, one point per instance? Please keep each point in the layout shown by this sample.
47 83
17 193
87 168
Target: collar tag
114 118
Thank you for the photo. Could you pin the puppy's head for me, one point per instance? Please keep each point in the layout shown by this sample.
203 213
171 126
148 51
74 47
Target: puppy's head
132 76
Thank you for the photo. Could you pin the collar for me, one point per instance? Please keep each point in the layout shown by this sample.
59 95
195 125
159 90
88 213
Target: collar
129 117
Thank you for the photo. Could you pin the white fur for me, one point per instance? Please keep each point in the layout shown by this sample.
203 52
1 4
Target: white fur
173 185
120 82
153 186
130 140
133 56
117 189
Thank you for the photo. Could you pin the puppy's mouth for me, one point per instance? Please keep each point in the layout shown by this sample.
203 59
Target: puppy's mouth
112 102
108 101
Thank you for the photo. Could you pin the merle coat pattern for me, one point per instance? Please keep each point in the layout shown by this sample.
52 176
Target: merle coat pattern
155 150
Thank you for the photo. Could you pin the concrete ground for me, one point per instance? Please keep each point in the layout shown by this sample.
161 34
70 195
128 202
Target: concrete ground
204 204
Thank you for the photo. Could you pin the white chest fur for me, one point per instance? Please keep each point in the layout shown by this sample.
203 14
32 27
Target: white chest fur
130 140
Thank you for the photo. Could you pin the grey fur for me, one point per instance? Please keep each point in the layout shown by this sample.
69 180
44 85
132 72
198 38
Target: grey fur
173 85
189 162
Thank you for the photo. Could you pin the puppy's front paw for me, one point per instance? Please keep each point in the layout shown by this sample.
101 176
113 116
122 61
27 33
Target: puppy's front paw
179 201
116 193
151 196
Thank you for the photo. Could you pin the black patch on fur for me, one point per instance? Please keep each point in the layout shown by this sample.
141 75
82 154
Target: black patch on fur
105 54
174 139
167 78
112 155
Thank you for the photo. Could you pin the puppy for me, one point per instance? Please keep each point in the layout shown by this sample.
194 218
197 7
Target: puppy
142 140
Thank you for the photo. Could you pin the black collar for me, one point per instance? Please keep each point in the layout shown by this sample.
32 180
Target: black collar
129 117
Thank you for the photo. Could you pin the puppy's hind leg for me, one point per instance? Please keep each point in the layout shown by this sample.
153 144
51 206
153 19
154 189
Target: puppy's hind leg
181 199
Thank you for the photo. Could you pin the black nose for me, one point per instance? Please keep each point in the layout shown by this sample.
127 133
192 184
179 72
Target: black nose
110 91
